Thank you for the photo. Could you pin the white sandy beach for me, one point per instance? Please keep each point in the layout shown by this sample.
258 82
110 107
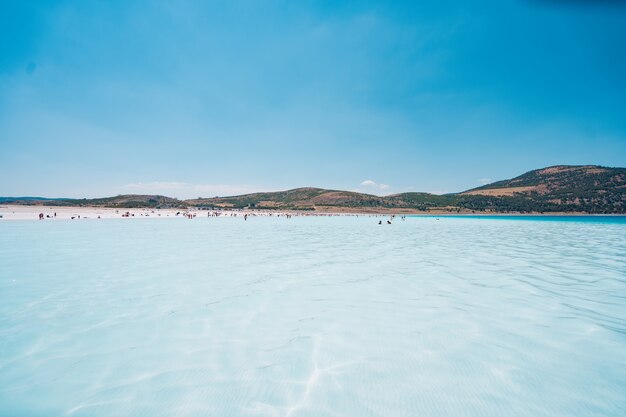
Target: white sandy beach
16 212
54 213
19 212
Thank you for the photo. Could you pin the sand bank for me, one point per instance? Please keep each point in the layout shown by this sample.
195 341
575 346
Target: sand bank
52 213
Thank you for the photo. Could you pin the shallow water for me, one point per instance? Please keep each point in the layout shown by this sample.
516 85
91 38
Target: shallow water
313 317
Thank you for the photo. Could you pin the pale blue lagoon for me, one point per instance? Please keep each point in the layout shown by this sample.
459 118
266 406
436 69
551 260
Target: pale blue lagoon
313 316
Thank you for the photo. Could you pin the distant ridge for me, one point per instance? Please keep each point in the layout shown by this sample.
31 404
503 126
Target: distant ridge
120 201
6 200
590 189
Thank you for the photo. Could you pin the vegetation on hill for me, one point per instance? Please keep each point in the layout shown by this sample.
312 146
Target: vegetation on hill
296 199
120 201
564 189
581 189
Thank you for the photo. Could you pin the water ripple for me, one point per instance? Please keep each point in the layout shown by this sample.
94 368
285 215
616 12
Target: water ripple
313 316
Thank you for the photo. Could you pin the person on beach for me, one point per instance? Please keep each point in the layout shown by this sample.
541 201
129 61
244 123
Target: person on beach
40 216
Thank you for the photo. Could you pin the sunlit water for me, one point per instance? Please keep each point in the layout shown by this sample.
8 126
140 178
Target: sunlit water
313 317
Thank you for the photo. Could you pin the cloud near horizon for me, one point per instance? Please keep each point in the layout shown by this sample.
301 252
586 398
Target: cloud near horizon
187 190
373 184
372 187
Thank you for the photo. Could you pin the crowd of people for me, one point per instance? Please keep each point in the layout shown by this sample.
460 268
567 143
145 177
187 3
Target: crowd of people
90 213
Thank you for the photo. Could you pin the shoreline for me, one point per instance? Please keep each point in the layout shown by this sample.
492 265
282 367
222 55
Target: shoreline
11 212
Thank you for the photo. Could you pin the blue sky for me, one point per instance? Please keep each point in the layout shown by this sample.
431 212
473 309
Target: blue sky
201 98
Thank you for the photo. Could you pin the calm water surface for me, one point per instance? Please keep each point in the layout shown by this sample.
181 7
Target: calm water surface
313 317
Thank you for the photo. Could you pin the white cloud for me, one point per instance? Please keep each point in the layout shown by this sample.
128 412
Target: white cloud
372 187
485 181
188 190
374 184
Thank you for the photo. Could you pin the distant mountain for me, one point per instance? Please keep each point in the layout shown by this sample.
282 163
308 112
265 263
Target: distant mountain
299 199
327 200
13 200
120 201
578 189
558 189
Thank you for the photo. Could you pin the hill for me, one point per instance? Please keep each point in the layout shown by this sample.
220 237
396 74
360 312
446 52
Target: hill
558 189
566 188
333 200
120 201
296 199
573 189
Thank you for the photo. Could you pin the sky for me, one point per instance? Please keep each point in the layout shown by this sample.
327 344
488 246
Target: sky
204 98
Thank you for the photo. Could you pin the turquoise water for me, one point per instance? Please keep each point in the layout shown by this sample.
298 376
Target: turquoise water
313 317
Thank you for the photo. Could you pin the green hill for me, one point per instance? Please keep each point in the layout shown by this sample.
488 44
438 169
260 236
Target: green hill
580 189
565 188
296 199
558 189
120 201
